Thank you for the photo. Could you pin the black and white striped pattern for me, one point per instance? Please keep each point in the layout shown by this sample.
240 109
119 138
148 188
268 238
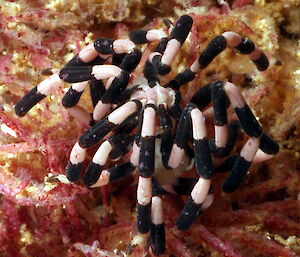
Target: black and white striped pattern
179 33
126 120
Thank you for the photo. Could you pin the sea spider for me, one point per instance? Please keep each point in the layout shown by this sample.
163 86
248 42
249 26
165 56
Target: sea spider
125 120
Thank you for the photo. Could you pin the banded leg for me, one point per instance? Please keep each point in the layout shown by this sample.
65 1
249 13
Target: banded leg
82 67
150 72
241 165
232 136
175 109
180 142
89 56
252 128
204 167
117 85
166 137
220 120
146 36
185 186
178 36
102 48
74 165
188 186
95 175
193 206
214 48
157 235
93 135
126 146
202 97
37 94
115 173
108 47
134 158
225 137
267 149
96 133
85 73
203 160
97 89
72 97
146 168
127 126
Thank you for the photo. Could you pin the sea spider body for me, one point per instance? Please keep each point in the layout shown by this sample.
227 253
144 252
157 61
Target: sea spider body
147 121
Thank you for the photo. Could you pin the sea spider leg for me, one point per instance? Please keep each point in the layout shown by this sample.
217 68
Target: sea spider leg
37 94
150 72
204 167
202 97
77 157
157 231
214 48
248 122
179 33
203 160
215 93
96 133
95 176
85 73
71 74
183 186
123 149
88 56
134 158
225 137
146 36
71 99
121 78
252 128
72 96
117 85
181 139
232 136
267 149
218 97
105 97
166 136
241 165
175 109
146 167
97 89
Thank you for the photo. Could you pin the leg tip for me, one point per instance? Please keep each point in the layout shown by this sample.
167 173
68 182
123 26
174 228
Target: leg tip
73 171
20 110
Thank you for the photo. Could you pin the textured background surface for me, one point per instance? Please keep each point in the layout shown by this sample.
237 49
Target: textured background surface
50 218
